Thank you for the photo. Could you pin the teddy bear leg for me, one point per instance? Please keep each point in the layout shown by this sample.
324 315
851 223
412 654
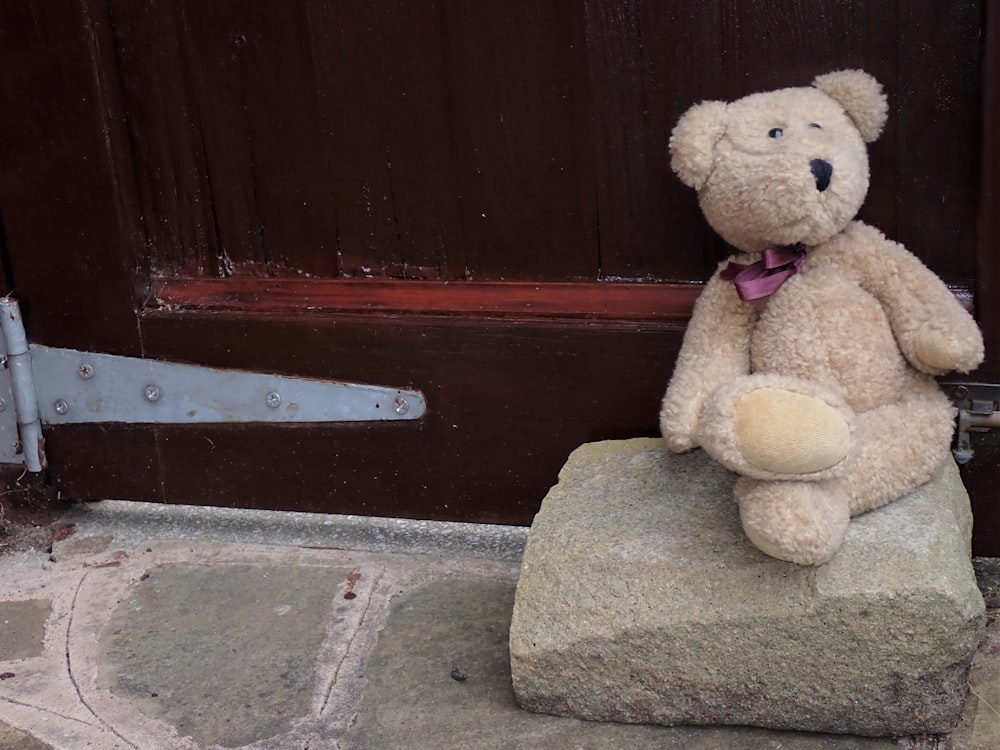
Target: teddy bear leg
800 522
898 447
777 427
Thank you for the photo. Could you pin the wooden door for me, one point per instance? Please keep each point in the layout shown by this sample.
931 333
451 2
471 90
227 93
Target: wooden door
471 199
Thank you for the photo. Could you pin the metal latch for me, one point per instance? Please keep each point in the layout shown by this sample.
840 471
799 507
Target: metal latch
978 407
41 385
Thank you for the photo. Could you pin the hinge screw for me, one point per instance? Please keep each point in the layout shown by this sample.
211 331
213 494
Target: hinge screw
273 399
960 392
400 405
152 393
61 407
86 371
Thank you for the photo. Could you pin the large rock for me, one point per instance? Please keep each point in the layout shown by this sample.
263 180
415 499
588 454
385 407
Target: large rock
641 600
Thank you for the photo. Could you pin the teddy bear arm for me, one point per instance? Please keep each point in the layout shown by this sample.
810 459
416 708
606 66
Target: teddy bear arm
934 332
941 337
715 350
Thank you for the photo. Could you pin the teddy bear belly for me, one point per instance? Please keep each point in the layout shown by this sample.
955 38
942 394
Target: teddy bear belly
834 333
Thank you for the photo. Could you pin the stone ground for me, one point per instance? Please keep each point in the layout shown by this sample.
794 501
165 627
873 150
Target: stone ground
138 633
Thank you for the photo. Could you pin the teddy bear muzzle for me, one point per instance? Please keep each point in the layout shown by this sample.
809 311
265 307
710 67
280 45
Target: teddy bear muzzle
823 172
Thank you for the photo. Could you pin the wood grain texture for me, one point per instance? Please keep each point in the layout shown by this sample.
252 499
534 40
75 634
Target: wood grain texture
383 72
938 90
644 71
70 216
988 220
507 403
166 135
508 141
522 135
666 304
980 476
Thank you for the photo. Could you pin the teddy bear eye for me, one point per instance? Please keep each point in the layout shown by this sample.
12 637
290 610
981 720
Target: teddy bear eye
816 125
775 133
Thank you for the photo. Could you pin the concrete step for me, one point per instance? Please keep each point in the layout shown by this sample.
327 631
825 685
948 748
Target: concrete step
641 600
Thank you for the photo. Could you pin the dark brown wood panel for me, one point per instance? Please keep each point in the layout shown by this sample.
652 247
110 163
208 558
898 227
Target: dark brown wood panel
5 265
488 449
938 91
257 65
105 461
988 256
405 140
522 135
166 136
775 43
246 112
362 140
640 61
67 199
980 475
383 73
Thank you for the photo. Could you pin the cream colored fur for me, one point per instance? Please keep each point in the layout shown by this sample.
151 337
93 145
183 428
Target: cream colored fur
821 395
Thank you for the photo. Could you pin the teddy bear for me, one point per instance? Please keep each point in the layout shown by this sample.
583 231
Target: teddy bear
808 364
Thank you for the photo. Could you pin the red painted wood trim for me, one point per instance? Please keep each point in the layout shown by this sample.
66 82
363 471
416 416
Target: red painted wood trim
589 300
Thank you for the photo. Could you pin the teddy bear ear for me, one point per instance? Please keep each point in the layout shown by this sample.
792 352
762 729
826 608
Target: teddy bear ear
692 144
862 98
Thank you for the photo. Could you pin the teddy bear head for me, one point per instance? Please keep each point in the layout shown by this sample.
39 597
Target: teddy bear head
782 167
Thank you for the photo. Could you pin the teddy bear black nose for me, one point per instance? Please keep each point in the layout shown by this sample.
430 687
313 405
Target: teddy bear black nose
822 171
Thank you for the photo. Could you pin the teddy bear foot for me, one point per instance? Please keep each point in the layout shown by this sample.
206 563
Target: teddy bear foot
800 522
774 427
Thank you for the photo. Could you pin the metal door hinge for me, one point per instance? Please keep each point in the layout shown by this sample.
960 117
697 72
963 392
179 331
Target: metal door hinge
41 385
978 407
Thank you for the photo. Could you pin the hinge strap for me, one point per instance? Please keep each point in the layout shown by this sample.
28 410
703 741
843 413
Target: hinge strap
54 386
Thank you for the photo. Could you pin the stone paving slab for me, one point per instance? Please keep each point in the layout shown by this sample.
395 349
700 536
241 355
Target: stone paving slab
231 670
15 739
193 645
380 677
460 629
22 628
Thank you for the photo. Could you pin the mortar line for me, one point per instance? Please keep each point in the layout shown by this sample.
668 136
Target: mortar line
40 709
351 641
72 677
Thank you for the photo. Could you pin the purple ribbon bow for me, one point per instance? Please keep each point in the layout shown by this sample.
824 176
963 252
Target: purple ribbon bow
760 279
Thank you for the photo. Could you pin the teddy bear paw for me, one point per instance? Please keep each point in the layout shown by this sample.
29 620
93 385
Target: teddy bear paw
940 352
770 426
790 433
800 522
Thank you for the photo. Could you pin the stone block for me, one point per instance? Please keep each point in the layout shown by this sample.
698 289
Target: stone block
641 600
